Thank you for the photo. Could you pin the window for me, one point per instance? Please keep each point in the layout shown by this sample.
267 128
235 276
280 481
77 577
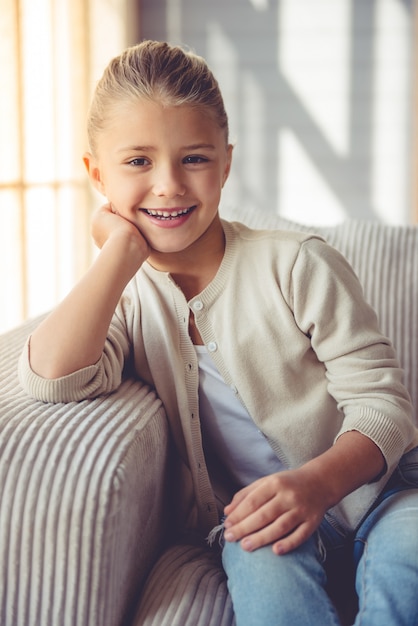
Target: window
51 54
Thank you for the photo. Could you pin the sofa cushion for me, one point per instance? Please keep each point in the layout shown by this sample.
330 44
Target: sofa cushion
187 587
82 493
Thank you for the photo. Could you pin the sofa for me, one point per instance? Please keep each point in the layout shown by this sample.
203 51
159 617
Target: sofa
85 487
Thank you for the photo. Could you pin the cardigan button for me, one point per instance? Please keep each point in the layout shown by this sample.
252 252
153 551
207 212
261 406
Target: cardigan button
198 305
212 346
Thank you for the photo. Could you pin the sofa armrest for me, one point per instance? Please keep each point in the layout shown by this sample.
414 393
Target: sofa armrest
82 490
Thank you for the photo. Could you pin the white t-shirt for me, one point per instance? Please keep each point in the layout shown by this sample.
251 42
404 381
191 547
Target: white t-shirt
228 431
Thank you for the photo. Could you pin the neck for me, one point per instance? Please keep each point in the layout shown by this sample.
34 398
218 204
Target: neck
195 267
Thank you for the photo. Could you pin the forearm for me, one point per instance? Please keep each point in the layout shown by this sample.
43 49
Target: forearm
351 462
73 335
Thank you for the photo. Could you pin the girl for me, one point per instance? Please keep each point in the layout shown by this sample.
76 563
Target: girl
284 400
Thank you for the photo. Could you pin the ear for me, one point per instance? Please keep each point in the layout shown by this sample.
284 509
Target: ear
93 170
229 150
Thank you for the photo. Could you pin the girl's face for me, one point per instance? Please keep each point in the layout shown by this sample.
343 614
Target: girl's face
163 169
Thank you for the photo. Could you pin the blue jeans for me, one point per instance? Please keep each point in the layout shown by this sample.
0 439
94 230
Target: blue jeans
379 560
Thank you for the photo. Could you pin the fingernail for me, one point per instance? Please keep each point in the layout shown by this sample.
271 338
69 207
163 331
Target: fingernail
229 535
247 544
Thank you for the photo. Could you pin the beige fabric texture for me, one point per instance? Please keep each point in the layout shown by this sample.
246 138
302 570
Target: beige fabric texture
81 501
84 486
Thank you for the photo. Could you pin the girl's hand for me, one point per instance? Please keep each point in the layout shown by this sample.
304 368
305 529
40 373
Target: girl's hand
285 509
107 223
282 509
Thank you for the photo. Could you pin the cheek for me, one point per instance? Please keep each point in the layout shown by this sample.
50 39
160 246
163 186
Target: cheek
212 187
125 194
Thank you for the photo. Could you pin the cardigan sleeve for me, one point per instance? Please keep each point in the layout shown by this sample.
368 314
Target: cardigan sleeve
362 369
98 379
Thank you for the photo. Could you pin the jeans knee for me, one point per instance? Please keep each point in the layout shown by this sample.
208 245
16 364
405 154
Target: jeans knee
269 589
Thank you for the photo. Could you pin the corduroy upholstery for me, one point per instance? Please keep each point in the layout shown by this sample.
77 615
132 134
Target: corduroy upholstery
81 500
83 486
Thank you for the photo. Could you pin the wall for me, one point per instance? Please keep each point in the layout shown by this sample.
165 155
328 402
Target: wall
319 94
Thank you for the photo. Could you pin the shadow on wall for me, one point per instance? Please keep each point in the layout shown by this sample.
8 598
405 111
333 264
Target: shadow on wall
319 98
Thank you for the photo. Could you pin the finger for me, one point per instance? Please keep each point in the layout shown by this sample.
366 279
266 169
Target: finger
253 494
278 527
236 500
247 501
294 539
255 521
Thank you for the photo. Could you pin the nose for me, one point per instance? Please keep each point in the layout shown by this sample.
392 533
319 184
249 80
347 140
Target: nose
168 181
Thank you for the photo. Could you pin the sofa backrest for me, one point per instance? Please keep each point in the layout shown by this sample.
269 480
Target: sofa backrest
385 259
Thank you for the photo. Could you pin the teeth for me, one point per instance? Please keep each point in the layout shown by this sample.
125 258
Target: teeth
167 214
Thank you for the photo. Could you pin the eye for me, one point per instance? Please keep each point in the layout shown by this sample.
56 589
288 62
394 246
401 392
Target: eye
195 159
138 162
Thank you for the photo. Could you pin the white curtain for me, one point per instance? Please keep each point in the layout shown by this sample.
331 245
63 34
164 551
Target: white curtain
51 54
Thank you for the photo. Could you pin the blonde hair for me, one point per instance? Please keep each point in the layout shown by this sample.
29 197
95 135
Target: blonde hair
160 72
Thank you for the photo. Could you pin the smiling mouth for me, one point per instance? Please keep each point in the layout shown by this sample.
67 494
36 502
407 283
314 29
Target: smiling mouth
169 215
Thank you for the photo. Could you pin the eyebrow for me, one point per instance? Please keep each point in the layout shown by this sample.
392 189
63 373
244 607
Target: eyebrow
198 146
194 146
136 149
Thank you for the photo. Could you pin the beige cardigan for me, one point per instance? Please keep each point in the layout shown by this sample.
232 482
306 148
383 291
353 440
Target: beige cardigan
287 326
